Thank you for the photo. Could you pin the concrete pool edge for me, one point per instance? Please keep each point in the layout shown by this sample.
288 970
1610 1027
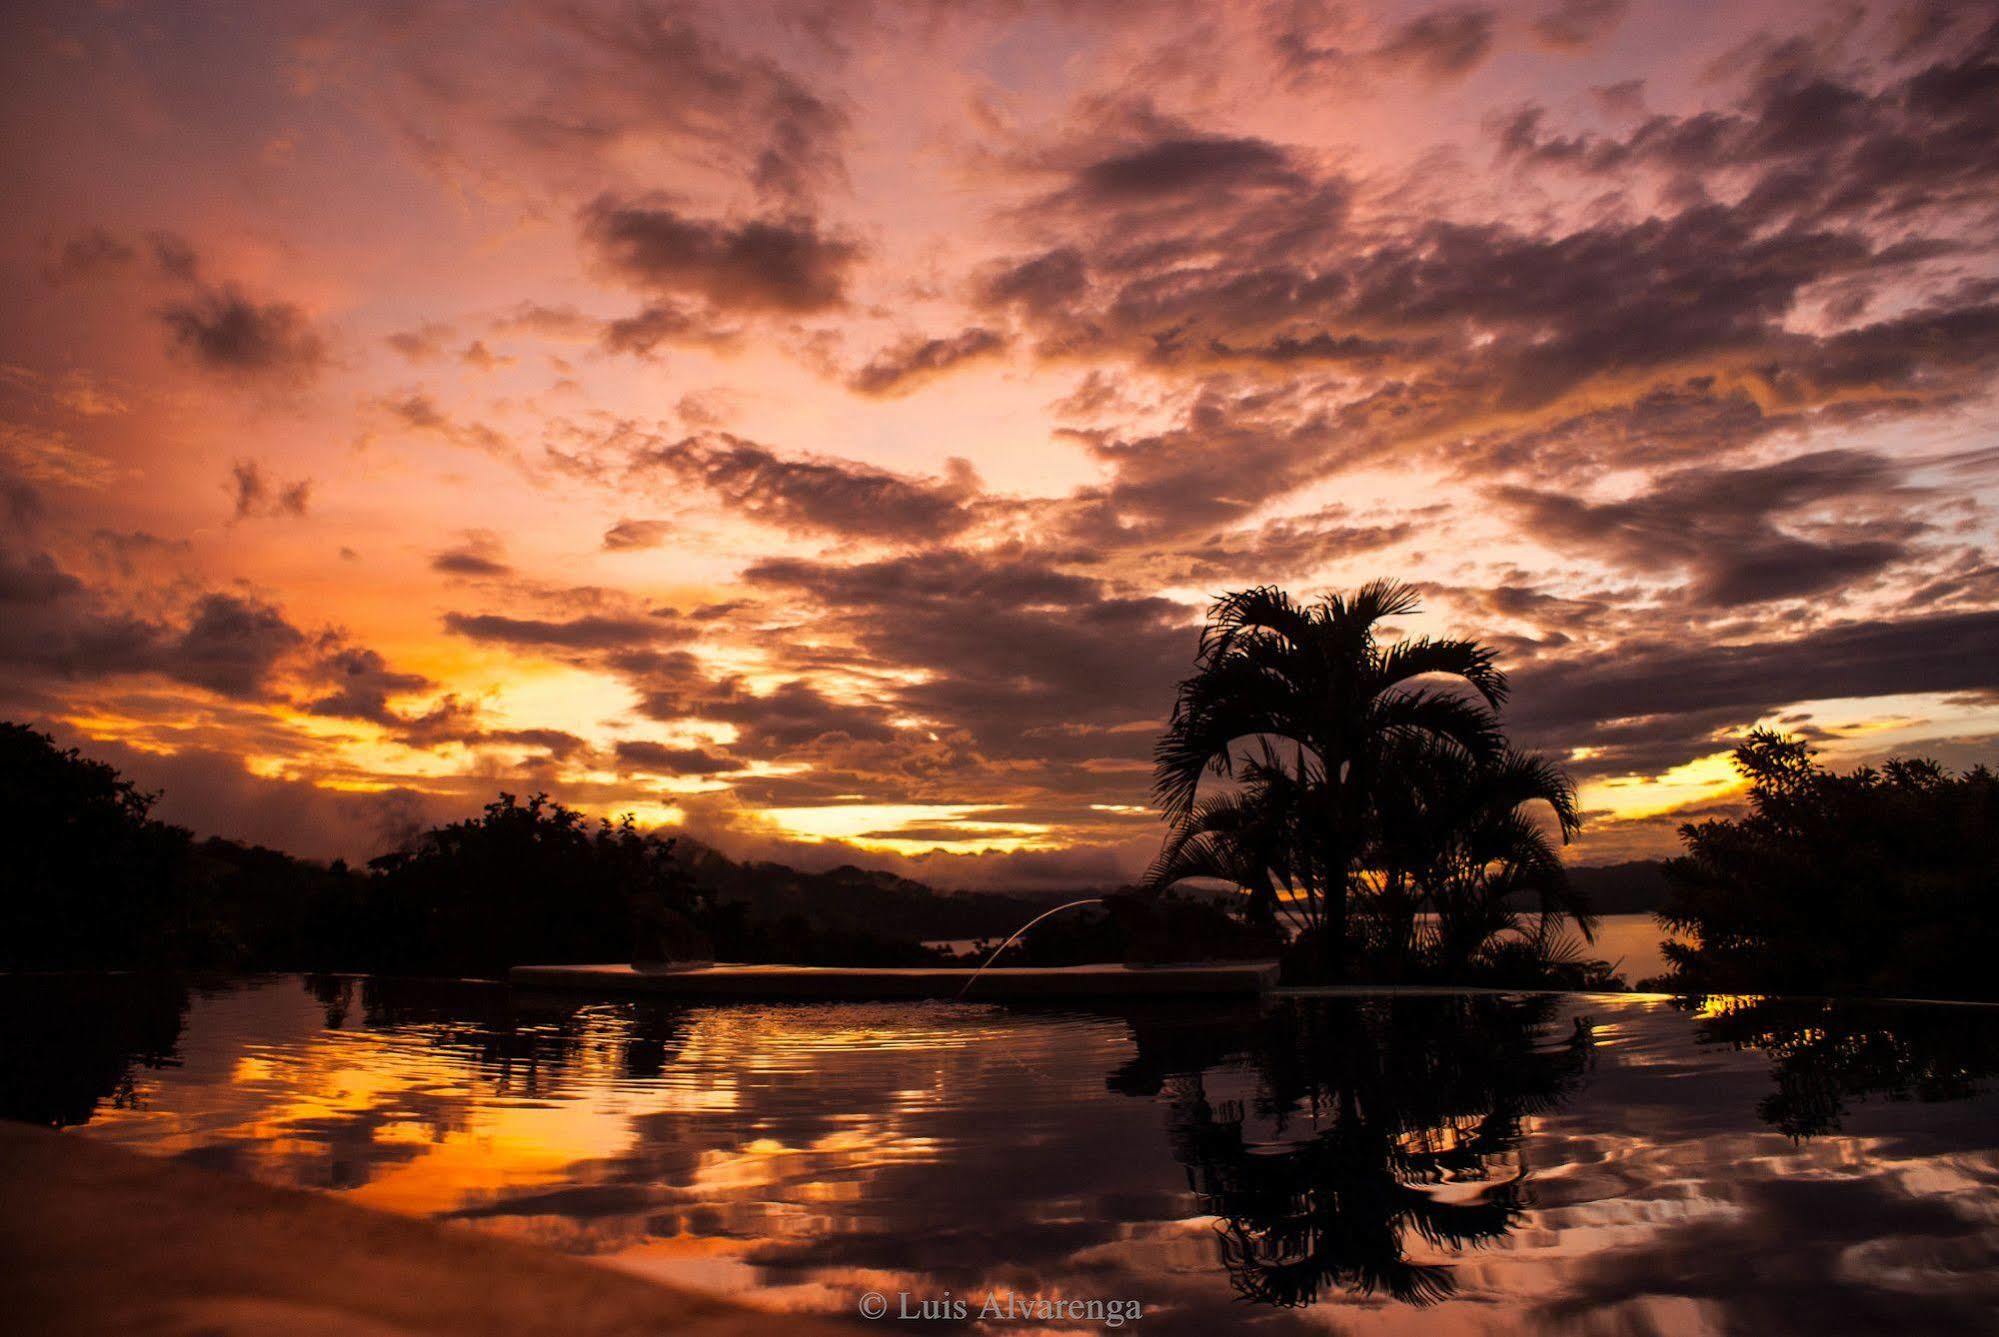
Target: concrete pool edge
724 980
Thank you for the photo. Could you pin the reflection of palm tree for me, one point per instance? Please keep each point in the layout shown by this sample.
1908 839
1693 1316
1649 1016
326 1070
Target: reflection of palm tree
1401 1096
1338 704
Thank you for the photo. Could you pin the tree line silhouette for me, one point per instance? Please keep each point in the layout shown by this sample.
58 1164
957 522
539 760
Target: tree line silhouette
1353 793
89 879
1881 880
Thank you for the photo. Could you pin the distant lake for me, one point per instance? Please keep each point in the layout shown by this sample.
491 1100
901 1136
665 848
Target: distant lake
1630 942
1438 1164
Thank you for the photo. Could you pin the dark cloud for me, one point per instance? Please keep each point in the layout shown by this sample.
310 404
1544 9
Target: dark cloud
174 256
480 555
360 683
1684 687
1005 643
1809 143
662 323
816 494
907 365
91 252
1041 284
1228 455
224 331
1571 25
762 265
632 535
660 759
674 685
418 412
1286 548
1736 531
58 627
34 579
1178 166
638 74
256 496
425 343
581 633
1443 43
232 645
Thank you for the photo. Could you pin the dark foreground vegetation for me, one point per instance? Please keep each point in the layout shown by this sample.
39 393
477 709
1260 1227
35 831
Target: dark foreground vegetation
1881 880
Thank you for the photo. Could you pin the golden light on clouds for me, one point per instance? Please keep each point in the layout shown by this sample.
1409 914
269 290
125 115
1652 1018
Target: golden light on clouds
795 434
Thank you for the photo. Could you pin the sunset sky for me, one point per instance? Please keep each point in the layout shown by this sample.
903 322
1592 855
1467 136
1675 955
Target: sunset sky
821 426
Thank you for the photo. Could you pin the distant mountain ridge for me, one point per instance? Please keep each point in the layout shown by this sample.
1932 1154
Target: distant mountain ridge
1637 886
858 899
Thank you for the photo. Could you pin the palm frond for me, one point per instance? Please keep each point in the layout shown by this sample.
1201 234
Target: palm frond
1468 660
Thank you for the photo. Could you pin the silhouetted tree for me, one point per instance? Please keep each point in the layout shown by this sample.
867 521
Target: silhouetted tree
87 877
1879 880
1472 841
1316 686
531 881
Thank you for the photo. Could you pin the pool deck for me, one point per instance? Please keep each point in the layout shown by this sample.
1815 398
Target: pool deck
1005 982
99 1239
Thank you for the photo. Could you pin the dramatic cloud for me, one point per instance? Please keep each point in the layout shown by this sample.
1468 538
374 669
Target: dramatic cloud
660 759
1679 687
224 331
807 494
232 645
632 535
791 418
255 495
361 683
900 369
1574 24
582 633
1443 43
773 265
1734 529
482 554
1007 645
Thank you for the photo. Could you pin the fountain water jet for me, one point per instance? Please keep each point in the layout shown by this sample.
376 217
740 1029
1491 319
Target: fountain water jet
1068 905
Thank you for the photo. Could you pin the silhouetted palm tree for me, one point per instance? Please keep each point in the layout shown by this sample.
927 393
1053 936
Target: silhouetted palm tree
1314 683
1470 844
1251 839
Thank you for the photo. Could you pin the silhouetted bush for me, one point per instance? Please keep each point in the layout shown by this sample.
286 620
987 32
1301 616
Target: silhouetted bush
525 881
1881 880
87 877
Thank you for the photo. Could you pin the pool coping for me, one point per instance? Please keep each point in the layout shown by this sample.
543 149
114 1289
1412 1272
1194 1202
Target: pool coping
730 980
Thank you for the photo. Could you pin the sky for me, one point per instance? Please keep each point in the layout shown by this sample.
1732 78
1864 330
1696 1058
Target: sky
820 427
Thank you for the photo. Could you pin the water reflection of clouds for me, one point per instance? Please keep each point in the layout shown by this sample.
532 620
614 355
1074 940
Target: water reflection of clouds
805 1153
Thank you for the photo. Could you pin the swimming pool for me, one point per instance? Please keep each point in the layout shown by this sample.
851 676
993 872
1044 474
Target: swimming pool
1422 1163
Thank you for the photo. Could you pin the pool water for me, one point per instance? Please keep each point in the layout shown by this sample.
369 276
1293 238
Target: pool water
1434 1164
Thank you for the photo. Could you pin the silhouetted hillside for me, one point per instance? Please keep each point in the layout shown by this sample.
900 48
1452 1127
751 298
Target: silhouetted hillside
1638 886
851 898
